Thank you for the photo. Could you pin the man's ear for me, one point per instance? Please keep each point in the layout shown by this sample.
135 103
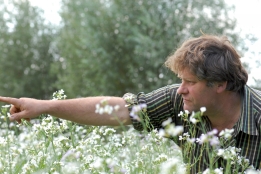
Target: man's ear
221 86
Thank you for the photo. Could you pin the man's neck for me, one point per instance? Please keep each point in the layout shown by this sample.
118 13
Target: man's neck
227 113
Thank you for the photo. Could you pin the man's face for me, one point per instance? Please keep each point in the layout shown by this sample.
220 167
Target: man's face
195 92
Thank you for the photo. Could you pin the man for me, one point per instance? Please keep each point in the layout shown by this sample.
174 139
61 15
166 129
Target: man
212 77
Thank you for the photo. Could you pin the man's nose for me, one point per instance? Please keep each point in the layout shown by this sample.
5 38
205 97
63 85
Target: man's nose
182 89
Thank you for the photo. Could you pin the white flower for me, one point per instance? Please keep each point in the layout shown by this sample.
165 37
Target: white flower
172 166
180 137
213 132
180 113
97 110
227 133
202 139
171 130
6 106
215 171
214 141
117 144
203 109
191 140
161 158
105 108
33 162
71 167
193 119
174 130
166 122
230 153
252 171
162 133
116 107
108 109
178 130
109 131
207 171
97 163
186 134
136 110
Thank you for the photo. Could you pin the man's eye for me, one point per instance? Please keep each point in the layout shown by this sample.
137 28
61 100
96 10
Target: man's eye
187 81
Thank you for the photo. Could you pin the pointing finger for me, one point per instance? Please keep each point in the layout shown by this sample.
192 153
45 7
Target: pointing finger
9 100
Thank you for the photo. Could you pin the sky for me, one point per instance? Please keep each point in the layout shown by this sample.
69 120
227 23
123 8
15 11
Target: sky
247 13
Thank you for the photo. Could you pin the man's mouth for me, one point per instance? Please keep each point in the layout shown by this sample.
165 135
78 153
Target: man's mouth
186 100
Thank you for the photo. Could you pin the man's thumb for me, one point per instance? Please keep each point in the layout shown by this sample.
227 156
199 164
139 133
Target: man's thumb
17 116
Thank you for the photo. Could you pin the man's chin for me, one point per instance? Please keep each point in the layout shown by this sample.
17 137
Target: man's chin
190 109
187 109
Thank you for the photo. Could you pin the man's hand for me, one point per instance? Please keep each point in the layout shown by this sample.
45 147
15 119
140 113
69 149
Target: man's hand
23 108
80 110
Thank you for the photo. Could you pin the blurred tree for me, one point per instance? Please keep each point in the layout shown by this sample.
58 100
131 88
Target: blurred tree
109 47
25 56
257 84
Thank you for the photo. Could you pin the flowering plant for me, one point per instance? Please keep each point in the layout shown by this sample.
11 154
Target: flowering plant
57 146
212 147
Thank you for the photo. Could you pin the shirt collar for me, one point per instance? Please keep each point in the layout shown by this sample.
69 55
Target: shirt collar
247 122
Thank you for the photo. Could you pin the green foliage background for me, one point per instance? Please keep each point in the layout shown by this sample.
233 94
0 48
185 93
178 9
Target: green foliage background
25 56
105 47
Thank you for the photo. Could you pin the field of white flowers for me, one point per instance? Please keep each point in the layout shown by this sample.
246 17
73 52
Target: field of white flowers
55 146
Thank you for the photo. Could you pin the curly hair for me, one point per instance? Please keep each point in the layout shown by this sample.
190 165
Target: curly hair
210 58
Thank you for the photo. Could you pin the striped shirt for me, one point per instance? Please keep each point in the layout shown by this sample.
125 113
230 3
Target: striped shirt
166 103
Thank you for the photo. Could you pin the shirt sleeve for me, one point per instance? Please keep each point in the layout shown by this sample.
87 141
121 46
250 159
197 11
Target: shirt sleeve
162 104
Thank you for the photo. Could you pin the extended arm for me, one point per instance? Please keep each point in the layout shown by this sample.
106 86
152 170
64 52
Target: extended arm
81 110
